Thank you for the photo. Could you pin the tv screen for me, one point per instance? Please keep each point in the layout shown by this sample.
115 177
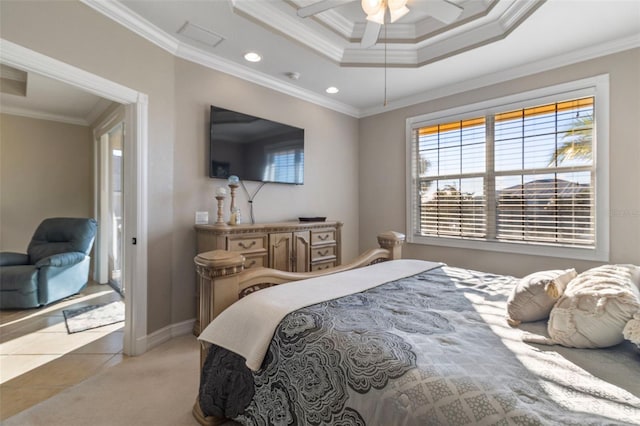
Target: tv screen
254 148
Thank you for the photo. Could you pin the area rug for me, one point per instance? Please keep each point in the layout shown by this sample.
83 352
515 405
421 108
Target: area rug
93 316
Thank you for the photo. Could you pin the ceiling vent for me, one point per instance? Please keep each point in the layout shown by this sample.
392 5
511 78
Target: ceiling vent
201 35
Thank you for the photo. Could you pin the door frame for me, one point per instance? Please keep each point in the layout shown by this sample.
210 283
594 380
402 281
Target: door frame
112 118
136 171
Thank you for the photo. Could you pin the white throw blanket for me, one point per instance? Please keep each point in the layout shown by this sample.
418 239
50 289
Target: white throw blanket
247 326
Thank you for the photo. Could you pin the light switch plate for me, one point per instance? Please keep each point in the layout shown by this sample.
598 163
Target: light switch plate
202 218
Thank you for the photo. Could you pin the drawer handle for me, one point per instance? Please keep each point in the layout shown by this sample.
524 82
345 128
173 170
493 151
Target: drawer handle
323 253
323 237
247 246
253 262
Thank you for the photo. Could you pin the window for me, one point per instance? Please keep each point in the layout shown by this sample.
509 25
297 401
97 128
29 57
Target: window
521 174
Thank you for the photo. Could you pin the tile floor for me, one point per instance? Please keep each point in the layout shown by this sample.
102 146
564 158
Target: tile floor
39 359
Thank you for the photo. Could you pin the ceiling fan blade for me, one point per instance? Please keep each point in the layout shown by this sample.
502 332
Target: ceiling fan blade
370 35
320 6
442 10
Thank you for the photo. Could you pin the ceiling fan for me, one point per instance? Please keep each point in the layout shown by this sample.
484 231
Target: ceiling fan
376 10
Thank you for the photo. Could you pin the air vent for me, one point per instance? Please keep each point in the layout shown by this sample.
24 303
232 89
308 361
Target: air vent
201 35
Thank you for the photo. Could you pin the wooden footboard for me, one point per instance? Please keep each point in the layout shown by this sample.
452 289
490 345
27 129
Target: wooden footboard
223 281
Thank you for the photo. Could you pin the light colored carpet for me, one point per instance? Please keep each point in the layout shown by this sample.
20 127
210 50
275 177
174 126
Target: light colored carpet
157 388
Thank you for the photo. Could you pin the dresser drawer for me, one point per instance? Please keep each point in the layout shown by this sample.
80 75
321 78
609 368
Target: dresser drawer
322 252
323 265
247 244
323 236
255 261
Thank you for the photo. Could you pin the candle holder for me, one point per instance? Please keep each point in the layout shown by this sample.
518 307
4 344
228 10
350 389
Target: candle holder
233 183
220 220
221 194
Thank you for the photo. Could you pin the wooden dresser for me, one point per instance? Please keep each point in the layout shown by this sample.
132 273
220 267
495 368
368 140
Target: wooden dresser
287 246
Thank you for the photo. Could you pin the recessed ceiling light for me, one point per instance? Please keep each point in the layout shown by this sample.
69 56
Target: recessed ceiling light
332 90
252 57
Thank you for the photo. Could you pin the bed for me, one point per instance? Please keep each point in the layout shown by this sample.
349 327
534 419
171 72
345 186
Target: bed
390 341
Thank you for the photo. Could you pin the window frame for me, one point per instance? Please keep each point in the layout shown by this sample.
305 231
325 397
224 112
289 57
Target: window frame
598 87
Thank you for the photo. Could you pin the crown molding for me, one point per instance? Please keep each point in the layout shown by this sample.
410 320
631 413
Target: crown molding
482 23
134 22
375 58
570 58
337 22
44 116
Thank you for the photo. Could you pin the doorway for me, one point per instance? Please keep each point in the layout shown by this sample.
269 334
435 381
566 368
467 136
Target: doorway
134 270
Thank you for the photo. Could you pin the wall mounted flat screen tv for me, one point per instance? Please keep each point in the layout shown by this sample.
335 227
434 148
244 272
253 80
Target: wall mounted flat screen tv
254 148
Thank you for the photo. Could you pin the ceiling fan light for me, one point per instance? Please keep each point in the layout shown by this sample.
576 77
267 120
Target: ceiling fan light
372 7
377 17
396 14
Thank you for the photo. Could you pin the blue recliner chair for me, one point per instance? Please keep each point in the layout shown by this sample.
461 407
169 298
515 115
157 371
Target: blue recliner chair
55 266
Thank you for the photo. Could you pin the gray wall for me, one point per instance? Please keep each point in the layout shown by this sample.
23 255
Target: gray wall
382 168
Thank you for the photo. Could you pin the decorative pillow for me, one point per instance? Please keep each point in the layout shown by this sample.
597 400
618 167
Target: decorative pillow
595 308
530 302
631 331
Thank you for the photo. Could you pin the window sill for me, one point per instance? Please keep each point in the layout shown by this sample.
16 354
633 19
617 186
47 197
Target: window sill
597 254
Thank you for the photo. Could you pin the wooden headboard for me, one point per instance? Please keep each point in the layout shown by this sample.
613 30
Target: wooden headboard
223 279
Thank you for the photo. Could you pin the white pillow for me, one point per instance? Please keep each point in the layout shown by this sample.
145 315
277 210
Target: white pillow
631 331
529 301
595 307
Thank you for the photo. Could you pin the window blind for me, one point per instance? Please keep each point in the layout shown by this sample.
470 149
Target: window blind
524 175
451 171
545 174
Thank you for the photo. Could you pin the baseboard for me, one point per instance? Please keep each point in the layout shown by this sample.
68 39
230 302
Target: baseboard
167 333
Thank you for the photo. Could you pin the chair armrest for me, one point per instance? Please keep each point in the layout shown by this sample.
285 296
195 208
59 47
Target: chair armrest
61 259
9 258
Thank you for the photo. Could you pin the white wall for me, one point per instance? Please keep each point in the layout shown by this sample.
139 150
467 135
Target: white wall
382 168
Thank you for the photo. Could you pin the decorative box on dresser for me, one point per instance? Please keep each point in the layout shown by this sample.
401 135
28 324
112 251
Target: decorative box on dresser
287 246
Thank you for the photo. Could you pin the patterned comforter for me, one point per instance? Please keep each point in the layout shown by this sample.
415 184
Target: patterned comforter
431 349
